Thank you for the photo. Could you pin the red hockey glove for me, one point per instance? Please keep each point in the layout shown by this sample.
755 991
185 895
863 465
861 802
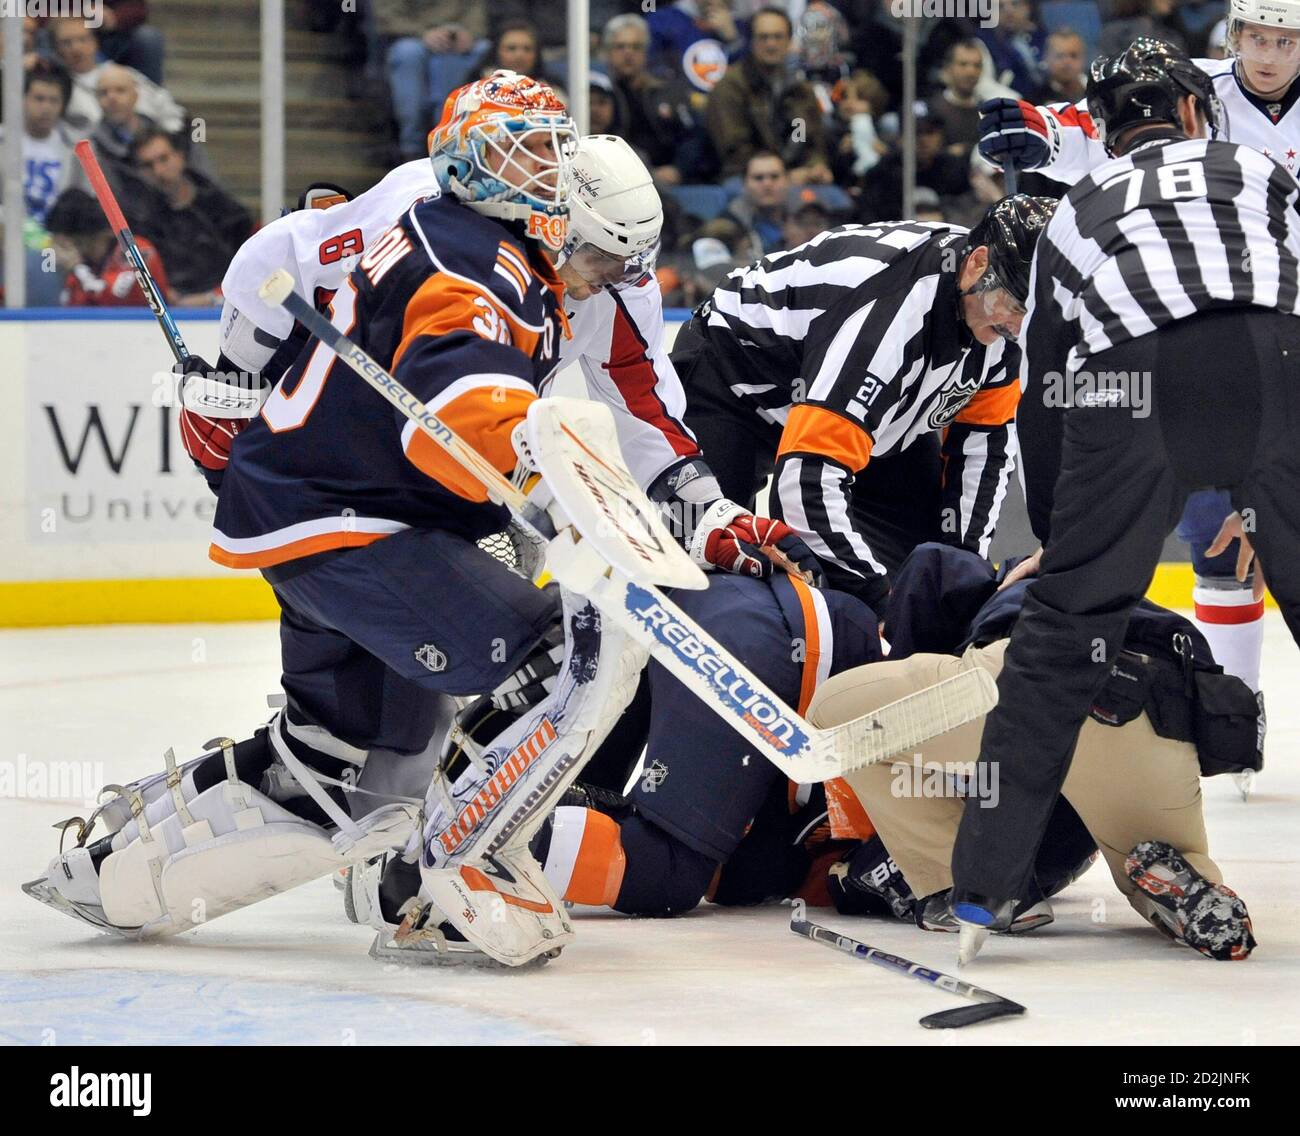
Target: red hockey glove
731 540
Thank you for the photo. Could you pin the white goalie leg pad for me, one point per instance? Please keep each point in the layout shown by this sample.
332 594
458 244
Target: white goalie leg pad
503 905
188 857
474 863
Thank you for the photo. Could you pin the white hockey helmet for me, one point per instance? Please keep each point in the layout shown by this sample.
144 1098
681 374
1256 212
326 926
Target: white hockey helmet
615 215
1270 13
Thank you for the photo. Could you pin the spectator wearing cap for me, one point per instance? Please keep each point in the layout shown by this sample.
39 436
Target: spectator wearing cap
76 47
429 47
125 37
658 114
937 168
196 225
761 208
97 273
1063 63
757 105
49 166
696 40
1015 45
691 275
957 105
804 222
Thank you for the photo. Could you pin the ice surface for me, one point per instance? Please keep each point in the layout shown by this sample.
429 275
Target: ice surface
101 704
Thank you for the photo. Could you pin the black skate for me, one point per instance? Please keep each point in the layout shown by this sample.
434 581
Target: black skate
866 881
1207 917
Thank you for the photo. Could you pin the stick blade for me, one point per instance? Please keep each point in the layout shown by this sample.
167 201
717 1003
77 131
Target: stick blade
903 725
971 1015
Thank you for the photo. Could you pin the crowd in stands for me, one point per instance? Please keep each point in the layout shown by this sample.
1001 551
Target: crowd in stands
105 83
762 123
765 123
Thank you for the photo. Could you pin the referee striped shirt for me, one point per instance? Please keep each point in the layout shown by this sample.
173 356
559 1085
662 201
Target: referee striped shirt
854 345
1171 229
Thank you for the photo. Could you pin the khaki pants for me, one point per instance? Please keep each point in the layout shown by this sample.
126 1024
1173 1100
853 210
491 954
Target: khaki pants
1126 783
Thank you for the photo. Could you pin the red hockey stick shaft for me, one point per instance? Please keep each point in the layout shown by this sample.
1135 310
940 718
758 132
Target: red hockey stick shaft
117 222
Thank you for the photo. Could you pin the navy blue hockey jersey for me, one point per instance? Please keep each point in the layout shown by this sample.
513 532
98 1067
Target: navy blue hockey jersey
467 315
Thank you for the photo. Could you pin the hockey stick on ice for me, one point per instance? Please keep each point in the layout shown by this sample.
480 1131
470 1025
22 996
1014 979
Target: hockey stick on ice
988 1005
801 751
125 238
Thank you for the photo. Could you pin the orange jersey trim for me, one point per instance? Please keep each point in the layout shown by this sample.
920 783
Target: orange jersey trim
484 417
510 264
600 863
308 546
849 820
816 430
995 407
443 304
812 640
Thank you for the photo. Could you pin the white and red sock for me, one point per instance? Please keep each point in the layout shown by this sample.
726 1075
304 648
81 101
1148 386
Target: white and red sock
1232 620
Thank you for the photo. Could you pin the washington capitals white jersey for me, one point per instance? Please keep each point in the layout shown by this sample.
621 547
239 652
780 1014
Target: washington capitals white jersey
618 345
1272 128
319 248
618 337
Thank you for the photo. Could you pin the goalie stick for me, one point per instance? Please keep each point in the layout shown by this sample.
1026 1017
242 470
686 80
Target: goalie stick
799 750
125 238
988 1007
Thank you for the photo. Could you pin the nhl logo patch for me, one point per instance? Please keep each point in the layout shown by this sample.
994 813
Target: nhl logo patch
430 658
655 775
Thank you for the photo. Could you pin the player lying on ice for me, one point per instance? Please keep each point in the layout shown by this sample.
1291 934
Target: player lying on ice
366 530
1134 782
707 818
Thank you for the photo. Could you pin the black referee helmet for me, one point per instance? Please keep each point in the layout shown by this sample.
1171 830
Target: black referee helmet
1141 86
1010 228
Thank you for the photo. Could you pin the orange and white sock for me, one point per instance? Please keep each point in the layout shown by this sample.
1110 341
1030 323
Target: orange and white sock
1232 620
585 862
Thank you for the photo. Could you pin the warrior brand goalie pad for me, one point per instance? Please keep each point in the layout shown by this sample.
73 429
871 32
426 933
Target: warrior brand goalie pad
475 865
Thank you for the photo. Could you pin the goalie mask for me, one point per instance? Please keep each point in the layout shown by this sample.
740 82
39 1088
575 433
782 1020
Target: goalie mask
505 148
615 215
